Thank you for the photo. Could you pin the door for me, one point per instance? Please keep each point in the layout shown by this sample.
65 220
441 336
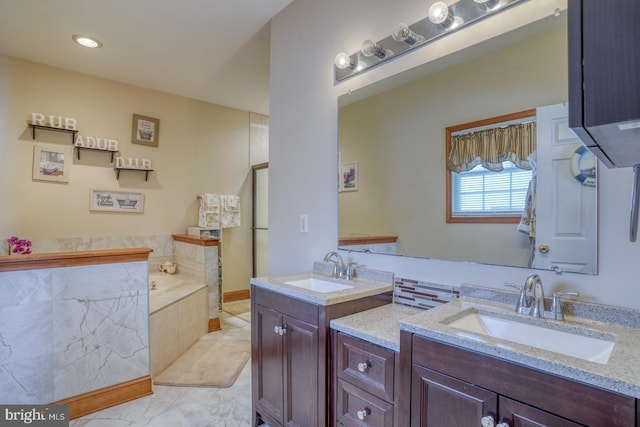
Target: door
446 401
301 367
269 378
566 204
260 225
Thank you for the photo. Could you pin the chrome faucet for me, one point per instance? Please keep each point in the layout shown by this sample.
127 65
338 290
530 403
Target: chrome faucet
537 308
533 305
338 263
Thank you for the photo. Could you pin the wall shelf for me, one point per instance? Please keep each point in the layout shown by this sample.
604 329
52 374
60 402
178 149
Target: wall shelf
146 171
95 149
71 131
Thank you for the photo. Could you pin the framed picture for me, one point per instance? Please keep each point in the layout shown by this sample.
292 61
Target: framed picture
145 130
116 201
349 176
52 162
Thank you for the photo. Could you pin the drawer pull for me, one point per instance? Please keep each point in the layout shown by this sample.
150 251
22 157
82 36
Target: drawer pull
363 413
488 421
364 366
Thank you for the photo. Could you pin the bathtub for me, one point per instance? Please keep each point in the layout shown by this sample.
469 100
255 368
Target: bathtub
178 317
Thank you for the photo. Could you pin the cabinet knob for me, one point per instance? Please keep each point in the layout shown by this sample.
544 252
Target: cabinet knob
280 330
363 413
364 366
487 421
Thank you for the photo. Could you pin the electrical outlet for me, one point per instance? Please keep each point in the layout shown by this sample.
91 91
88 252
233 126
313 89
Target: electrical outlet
304 223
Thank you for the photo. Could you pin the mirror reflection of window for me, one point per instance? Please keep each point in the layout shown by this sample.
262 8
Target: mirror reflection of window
489 169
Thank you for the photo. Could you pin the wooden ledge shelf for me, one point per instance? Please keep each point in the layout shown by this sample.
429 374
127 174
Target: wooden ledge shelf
195 240
366 240
72 259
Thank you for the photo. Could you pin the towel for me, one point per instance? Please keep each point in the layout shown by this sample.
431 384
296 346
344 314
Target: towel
209 212
229 211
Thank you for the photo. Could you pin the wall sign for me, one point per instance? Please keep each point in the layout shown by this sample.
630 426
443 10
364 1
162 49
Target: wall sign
133 163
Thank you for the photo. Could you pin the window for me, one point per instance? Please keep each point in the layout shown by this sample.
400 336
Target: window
484 193
488 170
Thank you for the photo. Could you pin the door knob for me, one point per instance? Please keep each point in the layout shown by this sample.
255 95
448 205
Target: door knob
543 249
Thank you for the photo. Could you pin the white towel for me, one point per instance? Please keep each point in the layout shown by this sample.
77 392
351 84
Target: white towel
230 211
209 212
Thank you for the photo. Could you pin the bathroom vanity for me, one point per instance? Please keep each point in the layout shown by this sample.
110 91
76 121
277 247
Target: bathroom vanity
290 342
447 374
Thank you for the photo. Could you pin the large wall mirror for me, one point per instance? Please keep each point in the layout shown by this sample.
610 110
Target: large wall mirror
393 132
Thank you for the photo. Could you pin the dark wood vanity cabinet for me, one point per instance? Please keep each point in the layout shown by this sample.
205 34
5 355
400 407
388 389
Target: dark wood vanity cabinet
287 353
452 386
290 357
364 381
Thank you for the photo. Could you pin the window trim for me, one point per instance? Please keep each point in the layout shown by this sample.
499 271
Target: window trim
470 125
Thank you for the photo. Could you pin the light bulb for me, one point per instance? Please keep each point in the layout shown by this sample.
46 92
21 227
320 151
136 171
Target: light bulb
490 4
87 41
343 61
402 33
370 48
438 12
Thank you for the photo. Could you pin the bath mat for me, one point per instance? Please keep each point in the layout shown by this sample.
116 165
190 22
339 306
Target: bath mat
210 362
241 309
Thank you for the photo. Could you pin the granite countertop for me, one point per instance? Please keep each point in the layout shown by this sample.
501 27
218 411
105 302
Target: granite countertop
620 374
363 285
378 325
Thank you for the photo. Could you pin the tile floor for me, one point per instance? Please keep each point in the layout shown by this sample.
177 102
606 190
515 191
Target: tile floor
186 406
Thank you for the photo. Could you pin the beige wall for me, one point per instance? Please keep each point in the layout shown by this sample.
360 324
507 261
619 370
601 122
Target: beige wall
202 148
398 139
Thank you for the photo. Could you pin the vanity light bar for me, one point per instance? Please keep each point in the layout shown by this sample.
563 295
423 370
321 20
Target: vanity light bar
463 12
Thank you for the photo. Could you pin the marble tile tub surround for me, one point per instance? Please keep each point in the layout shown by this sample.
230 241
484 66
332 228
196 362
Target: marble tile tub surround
199 262
621 374
70 330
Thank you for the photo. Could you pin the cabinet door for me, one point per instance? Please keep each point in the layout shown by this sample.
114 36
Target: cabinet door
269 378
440 400
301 373
517 414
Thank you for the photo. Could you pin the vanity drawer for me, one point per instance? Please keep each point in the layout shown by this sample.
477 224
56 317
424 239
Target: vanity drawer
357 408
367 366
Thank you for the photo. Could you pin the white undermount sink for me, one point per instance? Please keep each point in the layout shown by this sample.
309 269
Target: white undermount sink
318 285
568 342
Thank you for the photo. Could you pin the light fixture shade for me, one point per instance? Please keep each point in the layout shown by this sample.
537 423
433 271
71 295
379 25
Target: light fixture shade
87 41
370 48
402 33
343 61
439 12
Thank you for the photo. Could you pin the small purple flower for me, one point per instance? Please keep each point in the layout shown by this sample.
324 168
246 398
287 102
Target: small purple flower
18 246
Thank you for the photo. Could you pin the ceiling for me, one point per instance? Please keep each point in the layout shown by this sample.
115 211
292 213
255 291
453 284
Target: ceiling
212 50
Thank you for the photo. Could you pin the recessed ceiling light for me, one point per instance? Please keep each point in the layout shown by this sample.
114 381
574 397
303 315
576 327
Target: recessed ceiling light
87 41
